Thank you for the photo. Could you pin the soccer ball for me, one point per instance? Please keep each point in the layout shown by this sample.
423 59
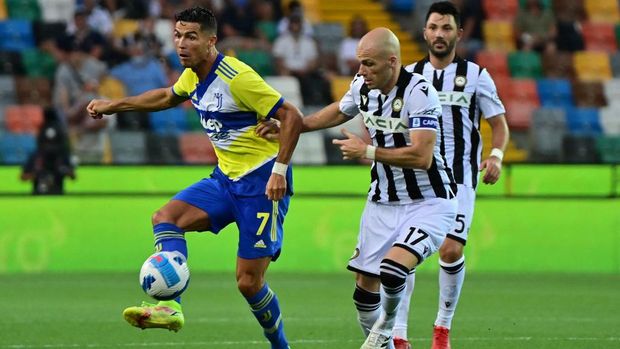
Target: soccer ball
164 275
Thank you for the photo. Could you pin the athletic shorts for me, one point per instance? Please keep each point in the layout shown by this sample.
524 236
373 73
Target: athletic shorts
258 219
420 228
466 197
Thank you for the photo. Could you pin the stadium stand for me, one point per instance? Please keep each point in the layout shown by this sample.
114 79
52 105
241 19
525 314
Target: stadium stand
546 134
574 90
196 148
163 149
602 10
592 66
128 147
16 147
502 10
496 62
579 149
498 35
23 118
525 64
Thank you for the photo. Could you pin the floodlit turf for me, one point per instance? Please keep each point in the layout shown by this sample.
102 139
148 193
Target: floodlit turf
496 311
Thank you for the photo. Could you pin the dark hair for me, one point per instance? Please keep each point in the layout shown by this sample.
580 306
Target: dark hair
445 8
200 15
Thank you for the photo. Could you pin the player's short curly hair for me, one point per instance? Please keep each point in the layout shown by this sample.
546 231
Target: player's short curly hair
200 15
445 8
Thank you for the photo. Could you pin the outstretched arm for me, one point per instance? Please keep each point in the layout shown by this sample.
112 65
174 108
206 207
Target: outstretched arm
499 140
153 100
327 117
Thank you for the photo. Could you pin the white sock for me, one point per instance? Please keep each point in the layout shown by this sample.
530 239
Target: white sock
451 277
402 316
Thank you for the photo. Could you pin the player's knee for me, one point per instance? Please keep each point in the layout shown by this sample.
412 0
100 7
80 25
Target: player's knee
451 251
393 274
160 216
249 284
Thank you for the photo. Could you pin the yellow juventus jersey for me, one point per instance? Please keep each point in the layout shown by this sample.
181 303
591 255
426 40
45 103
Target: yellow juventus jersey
231 101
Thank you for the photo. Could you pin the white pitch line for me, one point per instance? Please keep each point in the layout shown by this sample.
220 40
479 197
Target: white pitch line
299 341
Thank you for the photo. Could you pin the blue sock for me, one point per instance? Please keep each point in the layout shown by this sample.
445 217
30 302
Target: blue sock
169 237
266 309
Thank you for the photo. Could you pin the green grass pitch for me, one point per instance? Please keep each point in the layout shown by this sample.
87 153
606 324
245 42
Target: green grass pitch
81 310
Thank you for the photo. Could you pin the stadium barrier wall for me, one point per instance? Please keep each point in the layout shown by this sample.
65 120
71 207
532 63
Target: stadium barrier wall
536 219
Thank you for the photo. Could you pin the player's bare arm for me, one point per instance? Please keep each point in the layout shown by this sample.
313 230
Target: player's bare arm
327 117
493 164
290 127
418 155
153 100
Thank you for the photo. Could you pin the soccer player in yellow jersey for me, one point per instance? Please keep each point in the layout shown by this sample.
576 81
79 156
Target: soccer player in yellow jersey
251 185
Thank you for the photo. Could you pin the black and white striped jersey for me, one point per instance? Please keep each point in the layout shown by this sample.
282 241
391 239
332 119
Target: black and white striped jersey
465 91
413 104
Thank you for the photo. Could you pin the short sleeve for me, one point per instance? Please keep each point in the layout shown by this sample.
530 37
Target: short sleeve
488 99
255 94
347 105
423 107
186 84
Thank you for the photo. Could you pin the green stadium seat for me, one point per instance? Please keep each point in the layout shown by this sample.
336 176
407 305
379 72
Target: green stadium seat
24 9
38 63
525 64
609 149
193 119
259 60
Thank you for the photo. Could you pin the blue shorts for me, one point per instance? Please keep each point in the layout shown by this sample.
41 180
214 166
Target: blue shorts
255 215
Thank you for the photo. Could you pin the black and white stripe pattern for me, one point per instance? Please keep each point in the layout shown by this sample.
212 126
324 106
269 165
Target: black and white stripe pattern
465 91
393 276
411 104
366 301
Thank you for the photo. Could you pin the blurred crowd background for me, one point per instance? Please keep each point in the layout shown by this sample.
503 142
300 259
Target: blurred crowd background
555 62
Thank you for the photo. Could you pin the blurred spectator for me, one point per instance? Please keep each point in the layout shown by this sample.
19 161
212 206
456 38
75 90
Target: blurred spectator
534 27
347 53
143 71
76 80
85 37
236 21
297 55
295 9
569 15
145 37
266 26
471 20
99 18
48 166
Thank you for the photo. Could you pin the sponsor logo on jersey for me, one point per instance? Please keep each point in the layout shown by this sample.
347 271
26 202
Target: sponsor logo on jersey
424 122
260 244
461 99
214 129
391 125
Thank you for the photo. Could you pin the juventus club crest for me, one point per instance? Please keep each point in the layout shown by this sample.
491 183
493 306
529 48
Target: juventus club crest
397 104
460 81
